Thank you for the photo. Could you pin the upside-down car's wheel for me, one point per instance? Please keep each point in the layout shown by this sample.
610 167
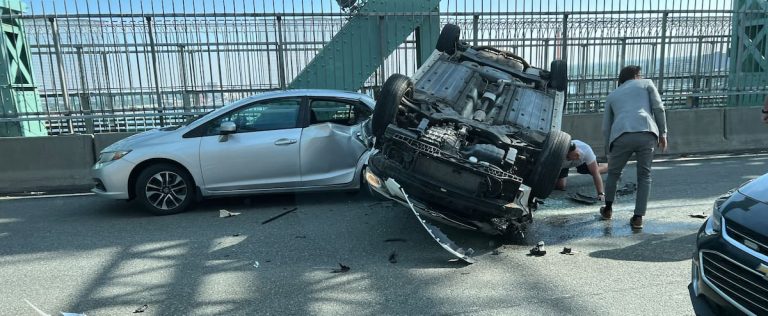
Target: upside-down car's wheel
558 70
165 189
391 94
448 39
548 165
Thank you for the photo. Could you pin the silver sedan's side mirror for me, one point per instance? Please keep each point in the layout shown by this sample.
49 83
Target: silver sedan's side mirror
225 129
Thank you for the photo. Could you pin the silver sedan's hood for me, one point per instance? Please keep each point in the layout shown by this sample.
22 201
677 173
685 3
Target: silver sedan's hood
132 141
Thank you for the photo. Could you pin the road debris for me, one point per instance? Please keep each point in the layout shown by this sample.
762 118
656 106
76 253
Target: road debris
279 215
495 252
568 251
255 264
225 213
393 257
236 235
538 251
583 198
342 269
699 215
395 240
71 314
141 309
300 237
627 189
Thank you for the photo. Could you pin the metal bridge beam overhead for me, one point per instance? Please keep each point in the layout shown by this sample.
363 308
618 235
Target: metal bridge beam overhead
18 92
365 41
749 50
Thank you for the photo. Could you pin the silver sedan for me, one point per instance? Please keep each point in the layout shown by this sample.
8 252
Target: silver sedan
286 141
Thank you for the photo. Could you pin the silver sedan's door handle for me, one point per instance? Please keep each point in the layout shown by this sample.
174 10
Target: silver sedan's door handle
285 141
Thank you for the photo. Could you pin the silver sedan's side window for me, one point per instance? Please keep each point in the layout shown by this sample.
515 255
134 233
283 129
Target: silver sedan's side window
261 116
338 112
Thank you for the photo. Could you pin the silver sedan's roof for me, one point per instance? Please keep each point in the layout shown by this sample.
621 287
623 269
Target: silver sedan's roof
288 93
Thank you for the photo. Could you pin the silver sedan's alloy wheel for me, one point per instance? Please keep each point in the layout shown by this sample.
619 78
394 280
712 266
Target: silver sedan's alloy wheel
166 190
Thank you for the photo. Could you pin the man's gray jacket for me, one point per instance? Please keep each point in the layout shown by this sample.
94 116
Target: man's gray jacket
635 106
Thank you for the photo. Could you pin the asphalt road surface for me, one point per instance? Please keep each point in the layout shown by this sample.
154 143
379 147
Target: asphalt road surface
83 254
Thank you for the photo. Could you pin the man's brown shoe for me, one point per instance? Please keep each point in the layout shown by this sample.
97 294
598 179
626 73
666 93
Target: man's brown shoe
636 222
606 213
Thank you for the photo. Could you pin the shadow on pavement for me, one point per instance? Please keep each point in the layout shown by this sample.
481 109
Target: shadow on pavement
654 248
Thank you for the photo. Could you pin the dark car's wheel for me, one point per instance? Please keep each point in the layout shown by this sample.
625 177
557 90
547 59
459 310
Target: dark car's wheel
448 39
165 189
558 75
548 165
391 94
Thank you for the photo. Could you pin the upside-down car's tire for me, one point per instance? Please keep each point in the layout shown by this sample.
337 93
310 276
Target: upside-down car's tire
558 71
391 94
448 39
544 175
165 189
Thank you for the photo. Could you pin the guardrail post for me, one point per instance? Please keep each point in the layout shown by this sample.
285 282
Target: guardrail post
663 54
280 57
475 28
155 70
565 56
382 53
697 72
85 98
565 38
623 58
109 104
62 73
183 74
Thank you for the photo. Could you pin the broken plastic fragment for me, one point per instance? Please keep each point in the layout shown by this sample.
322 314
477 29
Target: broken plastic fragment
395 240
342 269
141 309
393 257
628 188
255 264
433 231
278 216
225 213
583 198
698 215
538 251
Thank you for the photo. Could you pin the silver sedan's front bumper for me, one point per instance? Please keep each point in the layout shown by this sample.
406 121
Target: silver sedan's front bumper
112 179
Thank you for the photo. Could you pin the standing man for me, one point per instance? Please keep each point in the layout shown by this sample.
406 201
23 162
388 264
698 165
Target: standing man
583 158
634 123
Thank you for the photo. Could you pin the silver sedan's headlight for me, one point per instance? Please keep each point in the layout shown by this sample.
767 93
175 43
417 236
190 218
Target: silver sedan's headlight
112 155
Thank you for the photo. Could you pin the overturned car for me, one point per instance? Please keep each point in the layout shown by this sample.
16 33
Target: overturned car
473 139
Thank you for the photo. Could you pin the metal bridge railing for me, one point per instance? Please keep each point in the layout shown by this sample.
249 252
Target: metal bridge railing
116 69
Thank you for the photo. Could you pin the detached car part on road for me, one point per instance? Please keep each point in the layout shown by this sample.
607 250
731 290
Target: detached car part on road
286 141
730 265
473 139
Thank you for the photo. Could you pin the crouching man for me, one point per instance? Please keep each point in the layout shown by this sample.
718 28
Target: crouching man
582 157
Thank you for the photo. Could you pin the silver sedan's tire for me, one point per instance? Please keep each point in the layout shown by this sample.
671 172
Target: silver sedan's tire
165 189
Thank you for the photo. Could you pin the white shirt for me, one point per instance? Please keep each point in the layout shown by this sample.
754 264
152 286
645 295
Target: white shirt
587 156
